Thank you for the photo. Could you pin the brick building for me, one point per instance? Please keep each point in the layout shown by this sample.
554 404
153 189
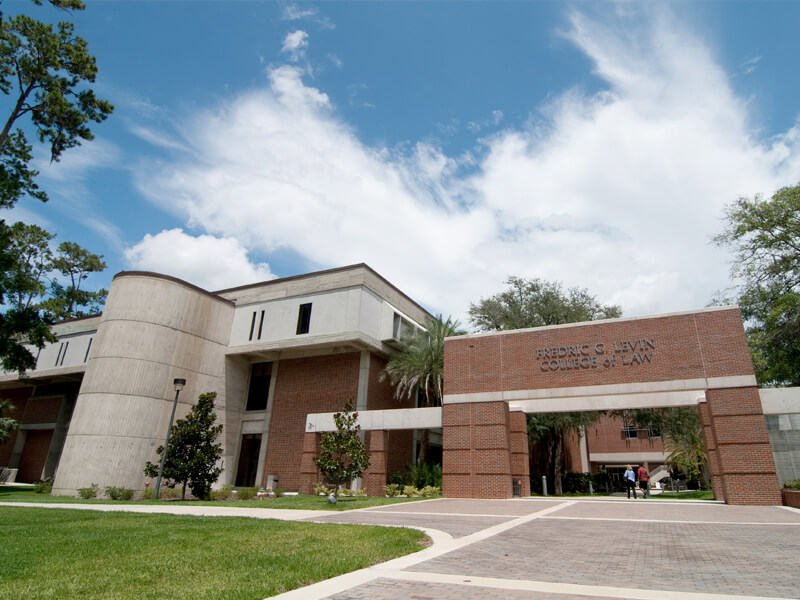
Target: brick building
98 404
283 355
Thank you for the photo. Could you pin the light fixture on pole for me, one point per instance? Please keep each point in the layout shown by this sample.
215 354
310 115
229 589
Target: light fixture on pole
178 383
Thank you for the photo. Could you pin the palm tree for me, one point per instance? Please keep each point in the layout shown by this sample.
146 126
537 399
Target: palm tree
419 365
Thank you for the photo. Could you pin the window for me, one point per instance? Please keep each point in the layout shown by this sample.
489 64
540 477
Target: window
653 432
252 326
258 394
630 432
261 324
304 318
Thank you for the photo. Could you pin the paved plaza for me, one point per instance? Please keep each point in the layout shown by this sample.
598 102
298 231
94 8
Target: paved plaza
560 549
564 549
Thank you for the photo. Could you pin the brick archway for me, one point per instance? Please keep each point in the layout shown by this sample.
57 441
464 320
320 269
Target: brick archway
694 358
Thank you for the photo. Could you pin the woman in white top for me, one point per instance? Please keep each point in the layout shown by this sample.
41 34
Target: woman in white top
629 479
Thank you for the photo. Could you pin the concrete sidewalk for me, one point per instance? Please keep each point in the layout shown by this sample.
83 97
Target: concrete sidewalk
559 549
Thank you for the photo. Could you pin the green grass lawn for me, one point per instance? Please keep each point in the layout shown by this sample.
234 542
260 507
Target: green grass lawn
695 495
60 553
26 494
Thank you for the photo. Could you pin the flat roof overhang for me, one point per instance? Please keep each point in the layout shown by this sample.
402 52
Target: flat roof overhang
351 341
43 377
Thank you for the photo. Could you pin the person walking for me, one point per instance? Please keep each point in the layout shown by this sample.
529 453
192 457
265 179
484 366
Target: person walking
642 476
630 481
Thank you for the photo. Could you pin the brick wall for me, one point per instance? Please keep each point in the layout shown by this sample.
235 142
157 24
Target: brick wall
42 410
701 345
744 455
305 385
34 455
606 436
687 346
18 398
476 458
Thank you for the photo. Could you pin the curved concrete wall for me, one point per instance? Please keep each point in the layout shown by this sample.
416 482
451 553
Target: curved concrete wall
153 329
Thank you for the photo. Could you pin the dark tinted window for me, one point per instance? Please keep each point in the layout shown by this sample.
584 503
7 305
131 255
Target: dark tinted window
304 318
259 386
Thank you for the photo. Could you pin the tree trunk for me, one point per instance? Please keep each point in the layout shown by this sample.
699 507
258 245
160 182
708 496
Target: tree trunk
558 450
183 492
423 446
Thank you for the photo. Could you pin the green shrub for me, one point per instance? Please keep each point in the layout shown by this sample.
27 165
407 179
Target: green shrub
223 493
430 490
399 478
43 487
147 493
410 491
246 493
392 490
171 493
792 484
321 489
576 483
424 474
89 492
118 493
278 491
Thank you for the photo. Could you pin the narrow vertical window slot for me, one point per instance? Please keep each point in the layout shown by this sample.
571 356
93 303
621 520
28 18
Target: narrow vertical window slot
261 324
58 357
89 347
64 355
252 326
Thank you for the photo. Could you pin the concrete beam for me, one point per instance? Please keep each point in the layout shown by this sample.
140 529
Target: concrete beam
400 418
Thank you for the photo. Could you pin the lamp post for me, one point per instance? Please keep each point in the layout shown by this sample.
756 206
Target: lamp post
178 383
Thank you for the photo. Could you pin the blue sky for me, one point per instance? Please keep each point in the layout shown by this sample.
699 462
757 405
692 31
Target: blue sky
446 144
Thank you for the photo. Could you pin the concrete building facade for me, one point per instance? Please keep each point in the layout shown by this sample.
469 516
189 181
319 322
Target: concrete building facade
99 401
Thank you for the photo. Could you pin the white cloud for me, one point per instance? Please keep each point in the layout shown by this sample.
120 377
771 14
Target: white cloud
618 192
292 12
750 65
75 164
210 262
295 44
337 62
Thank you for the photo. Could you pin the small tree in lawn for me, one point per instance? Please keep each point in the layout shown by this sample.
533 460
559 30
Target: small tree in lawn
343 456
193 453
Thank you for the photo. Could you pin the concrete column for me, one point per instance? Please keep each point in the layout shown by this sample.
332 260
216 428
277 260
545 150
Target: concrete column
376 476
261 477
309 475
520 464
59 435
476 458
711 451
742 447
16 453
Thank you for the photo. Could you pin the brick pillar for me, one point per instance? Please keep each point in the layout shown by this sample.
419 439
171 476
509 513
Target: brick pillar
520 464
711 451
376 475
742 447
476 461
309 475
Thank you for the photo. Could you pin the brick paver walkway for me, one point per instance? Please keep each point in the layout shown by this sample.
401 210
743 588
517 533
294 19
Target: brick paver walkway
571 550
